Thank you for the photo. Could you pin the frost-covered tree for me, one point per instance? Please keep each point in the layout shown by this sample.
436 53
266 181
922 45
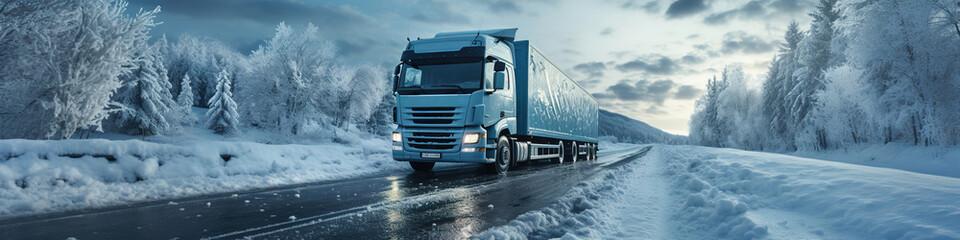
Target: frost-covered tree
185 102
814 56
203 59
381 121
145 96
361 95
222 116
293 81
737 111
843 108
908 59
779 81
705 126
60 63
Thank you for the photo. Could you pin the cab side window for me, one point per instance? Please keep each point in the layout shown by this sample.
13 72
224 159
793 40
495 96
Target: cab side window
488 75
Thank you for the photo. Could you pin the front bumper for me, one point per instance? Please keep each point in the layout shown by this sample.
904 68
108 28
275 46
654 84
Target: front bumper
408 150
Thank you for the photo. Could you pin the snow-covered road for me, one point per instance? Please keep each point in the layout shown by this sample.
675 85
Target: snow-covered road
686 192
454 201
632 192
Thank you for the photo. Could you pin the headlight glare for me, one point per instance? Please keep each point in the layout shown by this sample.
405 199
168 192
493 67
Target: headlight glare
397 137
471 138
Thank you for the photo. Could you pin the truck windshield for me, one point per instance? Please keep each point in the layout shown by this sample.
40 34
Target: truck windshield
441 78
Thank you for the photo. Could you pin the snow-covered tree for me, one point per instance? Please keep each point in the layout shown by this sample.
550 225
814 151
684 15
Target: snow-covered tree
293 81
145 95
779 81
222 116
738 111
908 57
185 102
705 126
60 63
814 56
361 95
203 58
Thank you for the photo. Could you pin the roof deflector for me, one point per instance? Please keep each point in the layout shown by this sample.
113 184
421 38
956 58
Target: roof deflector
508 34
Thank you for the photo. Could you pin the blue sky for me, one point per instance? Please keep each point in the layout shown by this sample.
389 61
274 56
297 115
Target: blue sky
647 59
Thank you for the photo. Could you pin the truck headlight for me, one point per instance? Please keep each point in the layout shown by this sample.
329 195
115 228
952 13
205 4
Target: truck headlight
397 137
471 138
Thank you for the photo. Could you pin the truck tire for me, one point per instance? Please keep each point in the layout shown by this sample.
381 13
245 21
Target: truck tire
422 166
559 160
574 154
504 155
593 152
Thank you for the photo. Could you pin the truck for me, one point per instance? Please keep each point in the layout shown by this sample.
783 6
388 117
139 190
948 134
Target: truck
485 97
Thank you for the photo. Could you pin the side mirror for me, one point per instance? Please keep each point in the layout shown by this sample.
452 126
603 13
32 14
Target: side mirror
499 80
499 66
396 77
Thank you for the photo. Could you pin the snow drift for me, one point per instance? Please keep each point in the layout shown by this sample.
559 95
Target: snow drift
685 192
44 176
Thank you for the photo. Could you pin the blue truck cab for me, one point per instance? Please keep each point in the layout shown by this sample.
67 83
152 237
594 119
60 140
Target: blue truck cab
483 97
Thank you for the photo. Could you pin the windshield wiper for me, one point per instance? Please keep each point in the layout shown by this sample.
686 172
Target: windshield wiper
451 85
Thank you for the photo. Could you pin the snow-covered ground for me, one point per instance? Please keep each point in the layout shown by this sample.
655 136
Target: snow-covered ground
45 176
686 192
936 160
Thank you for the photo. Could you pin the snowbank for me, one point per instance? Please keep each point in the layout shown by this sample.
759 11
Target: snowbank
45 176
687 192
936 160
577 214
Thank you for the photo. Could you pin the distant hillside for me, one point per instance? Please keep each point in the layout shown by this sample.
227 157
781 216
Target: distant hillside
626 129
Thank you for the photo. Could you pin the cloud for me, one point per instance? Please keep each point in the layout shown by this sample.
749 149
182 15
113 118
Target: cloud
790 6
591 69
741 42
687 92
757 10
661 66
655 109
649 7
752 9
440 13
606 31
691 59
656 92
684 8
503 6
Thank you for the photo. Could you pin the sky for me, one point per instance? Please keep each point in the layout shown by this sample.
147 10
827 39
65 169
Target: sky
646 59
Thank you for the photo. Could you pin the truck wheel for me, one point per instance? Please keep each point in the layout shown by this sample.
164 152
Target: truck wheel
504 155
574 152
593 152
596 149
422 166
562 154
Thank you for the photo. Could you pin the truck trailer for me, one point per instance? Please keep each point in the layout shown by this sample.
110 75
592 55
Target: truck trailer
485 97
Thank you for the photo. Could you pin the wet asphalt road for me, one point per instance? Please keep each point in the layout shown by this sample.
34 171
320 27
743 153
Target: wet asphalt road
452 202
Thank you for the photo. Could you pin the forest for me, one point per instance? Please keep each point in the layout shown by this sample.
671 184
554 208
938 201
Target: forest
864 72
69 68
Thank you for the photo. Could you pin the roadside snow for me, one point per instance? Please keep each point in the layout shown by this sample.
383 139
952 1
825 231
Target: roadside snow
687 192
936 160
46 176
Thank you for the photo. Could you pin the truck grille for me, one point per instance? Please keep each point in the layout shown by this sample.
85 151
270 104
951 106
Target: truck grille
434 116
432 141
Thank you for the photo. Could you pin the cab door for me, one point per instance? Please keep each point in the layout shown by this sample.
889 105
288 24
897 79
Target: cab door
499 104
